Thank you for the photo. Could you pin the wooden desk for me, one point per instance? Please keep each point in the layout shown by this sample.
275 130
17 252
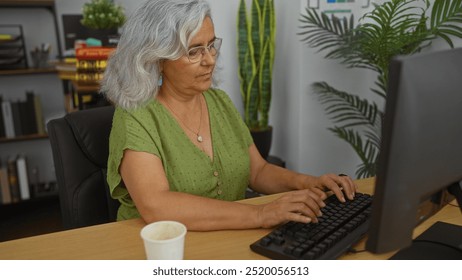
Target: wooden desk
121 240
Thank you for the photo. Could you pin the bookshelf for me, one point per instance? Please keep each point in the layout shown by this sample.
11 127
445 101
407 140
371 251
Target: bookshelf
43 81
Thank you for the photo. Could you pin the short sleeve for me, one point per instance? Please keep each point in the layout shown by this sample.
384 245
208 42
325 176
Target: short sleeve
128 132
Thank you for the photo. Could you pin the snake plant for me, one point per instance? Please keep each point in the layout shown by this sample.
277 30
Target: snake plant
396 27
256 44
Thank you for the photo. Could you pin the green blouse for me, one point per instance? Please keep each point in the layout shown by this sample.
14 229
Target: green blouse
154 130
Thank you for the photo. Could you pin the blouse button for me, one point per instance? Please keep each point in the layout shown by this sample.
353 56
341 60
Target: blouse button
219 192
215 173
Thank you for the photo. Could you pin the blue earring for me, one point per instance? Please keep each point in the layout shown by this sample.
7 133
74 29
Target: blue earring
160 81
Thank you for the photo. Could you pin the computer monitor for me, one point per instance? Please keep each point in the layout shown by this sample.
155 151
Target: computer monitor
421 152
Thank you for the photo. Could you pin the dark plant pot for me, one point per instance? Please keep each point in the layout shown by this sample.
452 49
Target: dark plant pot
105 35
262 140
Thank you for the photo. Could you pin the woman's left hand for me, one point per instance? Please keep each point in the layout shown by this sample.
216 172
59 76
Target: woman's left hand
340 185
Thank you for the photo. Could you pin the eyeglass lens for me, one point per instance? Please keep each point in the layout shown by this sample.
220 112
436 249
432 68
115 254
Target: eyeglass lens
195 54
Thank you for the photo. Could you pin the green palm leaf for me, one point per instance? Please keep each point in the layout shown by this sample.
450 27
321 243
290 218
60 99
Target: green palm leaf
396 27
390 30
366 151
444 19
346 109
328 33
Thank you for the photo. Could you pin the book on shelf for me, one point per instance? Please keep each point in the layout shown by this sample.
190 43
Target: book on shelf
20 183
4 185
23 117
91 63
8 119
66 68
2 124
93 53
85 65
89 77
13 180
16 118
23 178
39 115
29 114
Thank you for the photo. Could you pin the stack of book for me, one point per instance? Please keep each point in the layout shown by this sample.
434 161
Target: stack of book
66 68
91 63
21 117
16 185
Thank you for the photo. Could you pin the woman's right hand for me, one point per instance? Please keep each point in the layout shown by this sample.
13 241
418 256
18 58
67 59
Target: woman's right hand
299 206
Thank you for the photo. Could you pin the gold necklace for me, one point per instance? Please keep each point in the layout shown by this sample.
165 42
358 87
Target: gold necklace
199 137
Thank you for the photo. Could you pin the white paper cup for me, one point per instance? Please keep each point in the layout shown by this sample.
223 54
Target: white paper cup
164 240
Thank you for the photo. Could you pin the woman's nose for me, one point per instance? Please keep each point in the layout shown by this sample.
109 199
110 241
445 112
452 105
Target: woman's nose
208 58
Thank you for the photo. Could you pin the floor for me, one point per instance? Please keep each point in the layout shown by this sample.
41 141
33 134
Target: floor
29 218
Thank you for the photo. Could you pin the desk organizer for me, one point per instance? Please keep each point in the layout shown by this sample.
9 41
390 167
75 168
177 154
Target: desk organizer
12 47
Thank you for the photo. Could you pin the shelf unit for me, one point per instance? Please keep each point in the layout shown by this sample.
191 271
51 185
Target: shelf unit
24 72
42 4
48 5
22 141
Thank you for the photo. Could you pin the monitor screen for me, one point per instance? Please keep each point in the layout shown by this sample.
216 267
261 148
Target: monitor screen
421 152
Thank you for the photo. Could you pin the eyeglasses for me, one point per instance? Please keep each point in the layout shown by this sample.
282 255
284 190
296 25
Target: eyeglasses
197 53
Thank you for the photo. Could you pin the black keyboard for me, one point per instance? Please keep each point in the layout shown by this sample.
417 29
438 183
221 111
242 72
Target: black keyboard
340 227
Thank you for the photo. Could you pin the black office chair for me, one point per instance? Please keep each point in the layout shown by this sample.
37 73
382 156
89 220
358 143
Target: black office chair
80 146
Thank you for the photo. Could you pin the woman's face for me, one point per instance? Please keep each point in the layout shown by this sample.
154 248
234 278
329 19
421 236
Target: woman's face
185 77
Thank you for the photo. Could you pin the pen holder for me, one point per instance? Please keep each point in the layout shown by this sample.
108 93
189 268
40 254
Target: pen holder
39 59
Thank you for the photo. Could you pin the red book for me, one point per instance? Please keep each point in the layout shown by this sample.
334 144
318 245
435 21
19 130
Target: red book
93 53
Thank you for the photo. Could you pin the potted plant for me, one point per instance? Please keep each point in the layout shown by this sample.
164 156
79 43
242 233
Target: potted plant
256 45
104 16
396 27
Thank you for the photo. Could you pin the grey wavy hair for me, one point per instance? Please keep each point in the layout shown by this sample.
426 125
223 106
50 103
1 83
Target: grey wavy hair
157 30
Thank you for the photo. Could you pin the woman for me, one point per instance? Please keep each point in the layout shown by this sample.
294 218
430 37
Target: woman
179 149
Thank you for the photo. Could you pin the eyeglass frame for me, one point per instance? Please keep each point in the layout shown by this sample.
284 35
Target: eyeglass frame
205 49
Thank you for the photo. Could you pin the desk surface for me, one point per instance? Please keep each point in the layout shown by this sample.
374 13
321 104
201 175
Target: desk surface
121 240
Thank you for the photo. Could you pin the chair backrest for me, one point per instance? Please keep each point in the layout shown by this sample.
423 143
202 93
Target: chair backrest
80 146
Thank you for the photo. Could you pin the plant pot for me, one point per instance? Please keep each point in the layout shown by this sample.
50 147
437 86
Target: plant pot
262 139
105 35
